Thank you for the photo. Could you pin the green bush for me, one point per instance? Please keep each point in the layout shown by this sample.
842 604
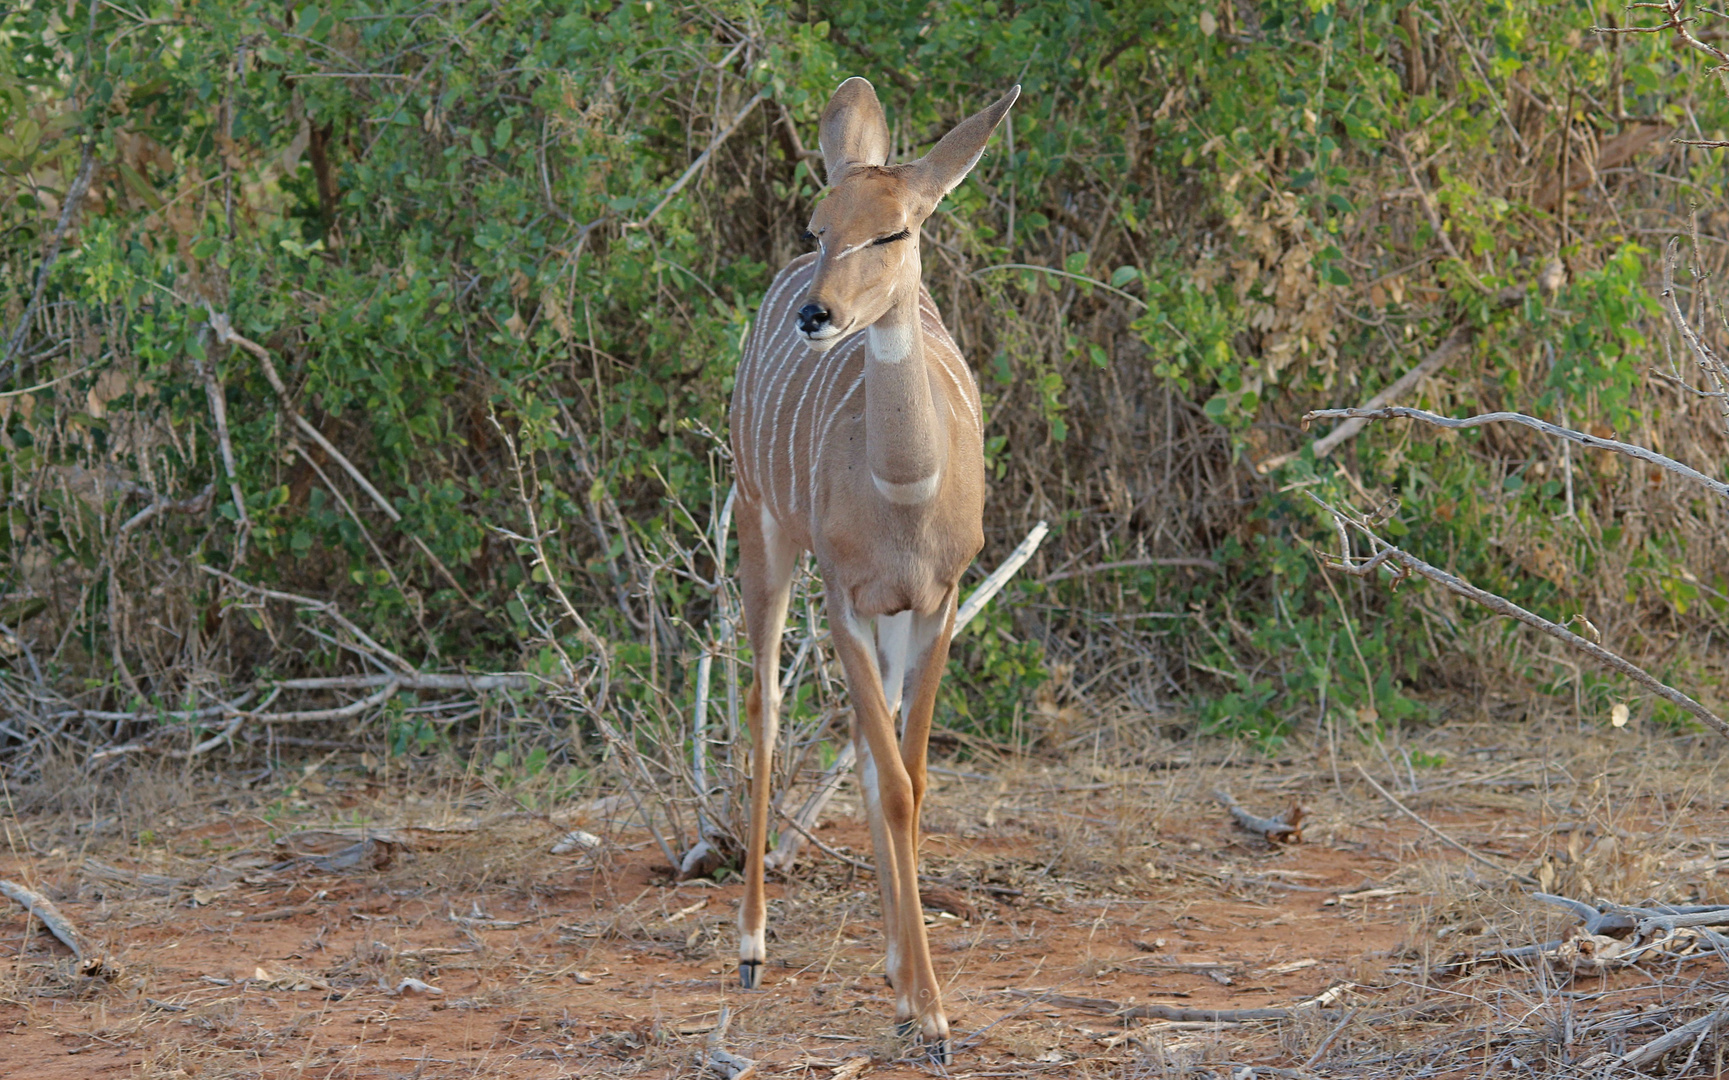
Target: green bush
432 217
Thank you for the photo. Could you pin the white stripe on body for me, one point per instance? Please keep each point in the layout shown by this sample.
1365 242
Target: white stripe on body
778 355
828 370
785 352
760 348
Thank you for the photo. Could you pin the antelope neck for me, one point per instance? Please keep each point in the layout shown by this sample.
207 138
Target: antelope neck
906 437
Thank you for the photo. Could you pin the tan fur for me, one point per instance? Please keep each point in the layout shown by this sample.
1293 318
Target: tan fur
865 447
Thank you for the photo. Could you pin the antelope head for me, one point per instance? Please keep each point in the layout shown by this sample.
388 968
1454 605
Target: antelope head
867 229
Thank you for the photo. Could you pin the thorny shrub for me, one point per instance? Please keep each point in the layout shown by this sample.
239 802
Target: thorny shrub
1201 220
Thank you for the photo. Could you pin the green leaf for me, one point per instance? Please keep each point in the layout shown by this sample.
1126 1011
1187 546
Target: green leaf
1076 263
139 186
1122 275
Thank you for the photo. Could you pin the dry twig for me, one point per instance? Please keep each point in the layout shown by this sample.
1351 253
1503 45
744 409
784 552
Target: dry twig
1631 450
1443 837
226 333
1406 564
715 1058
1287 828
1331 441
43 908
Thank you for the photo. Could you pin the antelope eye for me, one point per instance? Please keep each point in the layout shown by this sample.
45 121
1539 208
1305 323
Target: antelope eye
902 235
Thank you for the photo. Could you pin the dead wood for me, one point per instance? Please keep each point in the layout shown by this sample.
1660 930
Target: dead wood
1632 450
1612 937
1319 1005
43 908
716 1059
851 1069
68 209
1405 564
1331 441
226 334
101 871
1613 923
340 850
1287 828
1658 1048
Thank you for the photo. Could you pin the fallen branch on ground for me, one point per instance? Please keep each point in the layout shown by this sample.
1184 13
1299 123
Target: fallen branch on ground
716 1059
1654 1050
43 908
1319 1002
1615 936
1287 828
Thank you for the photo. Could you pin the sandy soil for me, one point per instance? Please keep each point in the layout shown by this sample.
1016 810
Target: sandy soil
224 953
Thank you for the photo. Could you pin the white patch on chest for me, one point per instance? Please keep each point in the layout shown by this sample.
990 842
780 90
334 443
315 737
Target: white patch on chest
889 344
908 494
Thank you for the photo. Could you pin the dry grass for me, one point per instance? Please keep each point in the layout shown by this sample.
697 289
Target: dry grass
1094 880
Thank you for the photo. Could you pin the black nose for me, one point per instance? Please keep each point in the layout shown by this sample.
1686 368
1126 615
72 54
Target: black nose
812 317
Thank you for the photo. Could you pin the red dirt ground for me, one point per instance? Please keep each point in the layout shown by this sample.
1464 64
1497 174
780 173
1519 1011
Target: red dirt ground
598 965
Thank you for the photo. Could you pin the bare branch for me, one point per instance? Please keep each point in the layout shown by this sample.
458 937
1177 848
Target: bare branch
226 334
999 577
1406 564
1329 442
1629 449
1676 21
1287 828
1443 837
1716 371
321 606
74 196
702 159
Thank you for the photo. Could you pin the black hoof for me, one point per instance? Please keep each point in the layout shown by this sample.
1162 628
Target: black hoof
939 1050
749 973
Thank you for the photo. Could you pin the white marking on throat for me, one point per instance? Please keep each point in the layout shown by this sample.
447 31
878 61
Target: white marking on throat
890 344
908 494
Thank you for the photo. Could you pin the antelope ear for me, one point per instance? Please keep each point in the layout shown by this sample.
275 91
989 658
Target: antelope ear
942 170
853 130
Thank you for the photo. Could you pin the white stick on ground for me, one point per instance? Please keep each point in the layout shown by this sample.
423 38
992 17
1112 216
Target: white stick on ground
716 1059
43 908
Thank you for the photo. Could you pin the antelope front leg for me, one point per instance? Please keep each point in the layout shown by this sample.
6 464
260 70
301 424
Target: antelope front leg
766 563
890 802
930 659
